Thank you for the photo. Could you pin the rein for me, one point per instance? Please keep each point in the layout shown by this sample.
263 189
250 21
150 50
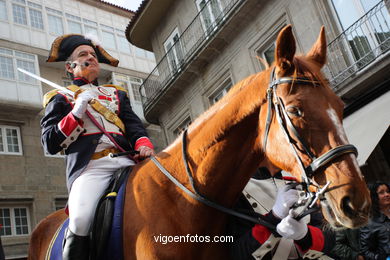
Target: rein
201 198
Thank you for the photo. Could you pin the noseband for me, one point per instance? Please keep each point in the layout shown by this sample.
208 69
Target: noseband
276 103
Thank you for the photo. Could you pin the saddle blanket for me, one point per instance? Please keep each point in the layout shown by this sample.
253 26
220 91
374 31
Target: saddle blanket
114 250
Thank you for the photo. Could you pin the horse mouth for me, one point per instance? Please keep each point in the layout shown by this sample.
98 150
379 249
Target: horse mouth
345 217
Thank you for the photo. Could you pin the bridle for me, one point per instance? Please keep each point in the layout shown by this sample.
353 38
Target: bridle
276 103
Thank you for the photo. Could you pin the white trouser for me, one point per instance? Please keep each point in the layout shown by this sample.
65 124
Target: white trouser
88 188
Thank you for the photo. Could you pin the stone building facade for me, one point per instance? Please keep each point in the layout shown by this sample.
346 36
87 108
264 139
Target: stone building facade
204 47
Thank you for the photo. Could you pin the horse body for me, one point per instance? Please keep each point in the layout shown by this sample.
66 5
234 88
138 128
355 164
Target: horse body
224 150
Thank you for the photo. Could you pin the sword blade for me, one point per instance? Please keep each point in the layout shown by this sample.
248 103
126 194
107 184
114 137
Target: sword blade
48 82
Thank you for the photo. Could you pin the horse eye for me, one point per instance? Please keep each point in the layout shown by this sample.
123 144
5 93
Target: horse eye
294 111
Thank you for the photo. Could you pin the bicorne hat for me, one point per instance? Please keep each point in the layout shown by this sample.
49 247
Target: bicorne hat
63 46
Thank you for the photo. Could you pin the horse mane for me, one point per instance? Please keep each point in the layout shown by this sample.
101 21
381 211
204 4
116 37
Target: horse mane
237 103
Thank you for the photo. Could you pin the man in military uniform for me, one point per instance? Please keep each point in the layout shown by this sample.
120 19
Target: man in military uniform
88 140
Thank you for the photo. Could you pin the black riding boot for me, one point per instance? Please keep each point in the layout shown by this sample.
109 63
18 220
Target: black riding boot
75 247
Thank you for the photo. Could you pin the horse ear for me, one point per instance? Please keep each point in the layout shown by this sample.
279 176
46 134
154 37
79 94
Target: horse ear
318 51
285 49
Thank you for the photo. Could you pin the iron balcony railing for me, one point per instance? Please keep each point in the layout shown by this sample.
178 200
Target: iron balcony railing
210 18
360 44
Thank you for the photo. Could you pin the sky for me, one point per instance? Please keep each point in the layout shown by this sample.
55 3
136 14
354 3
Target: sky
129 4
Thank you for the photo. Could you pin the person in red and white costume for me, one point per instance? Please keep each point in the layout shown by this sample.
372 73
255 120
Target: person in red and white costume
67 127
273 199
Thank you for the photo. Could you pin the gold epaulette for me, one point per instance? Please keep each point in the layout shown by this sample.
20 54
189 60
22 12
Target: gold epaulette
117 87
48 96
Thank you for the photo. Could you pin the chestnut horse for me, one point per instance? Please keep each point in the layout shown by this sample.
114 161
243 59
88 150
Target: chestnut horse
225 146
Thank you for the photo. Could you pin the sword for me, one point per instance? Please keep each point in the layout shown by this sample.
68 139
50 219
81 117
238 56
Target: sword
48 82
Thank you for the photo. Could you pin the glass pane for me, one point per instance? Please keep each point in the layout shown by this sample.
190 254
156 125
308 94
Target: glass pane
36 19
3 10
269 54
368 4
21 223
27 65
124 45
55 24
74 27
90 30
347 12
19 13
140 52
108 40
6 68
5 221
12 140
1 143
216 10
135 88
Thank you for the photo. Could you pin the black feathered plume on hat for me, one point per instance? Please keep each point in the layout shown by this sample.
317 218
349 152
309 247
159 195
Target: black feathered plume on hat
63 46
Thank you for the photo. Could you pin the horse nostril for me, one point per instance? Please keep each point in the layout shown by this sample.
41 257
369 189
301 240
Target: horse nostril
347 207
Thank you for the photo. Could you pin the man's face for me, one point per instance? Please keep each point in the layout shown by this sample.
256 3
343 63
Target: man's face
80 55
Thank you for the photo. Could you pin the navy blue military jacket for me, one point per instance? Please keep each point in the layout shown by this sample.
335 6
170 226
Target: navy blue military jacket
59 125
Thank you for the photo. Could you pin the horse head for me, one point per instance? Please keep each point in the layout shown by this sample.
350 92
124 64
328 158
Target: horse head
311 114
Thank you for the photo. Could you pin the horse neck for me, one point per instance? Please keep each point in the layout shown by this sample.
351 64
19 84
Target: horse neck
224 150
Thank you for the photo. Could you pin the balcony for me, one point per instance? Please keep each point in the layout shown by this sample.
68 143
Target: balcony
201 32
360 45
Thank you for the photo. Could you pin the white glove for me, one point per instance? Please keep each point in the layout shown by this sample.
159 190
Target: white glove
285 199
292 228
81 103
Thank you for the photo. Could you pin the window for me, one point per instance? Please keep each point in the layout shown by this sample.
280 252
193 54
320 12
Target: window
14 221
108 40
3 10
222 91
267 53
19 13
74 27
6 67
174 51
10 142
27 62
60 203
135 85
139 52
123 44
74 24
36 19
211 13
90 30
35 12
21 59
55 21
183 126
